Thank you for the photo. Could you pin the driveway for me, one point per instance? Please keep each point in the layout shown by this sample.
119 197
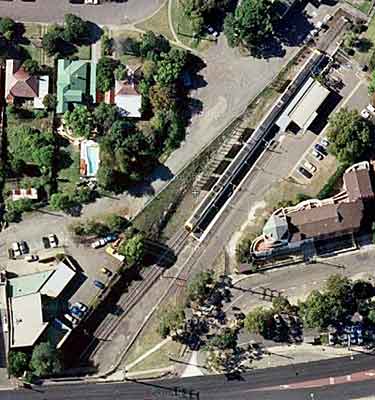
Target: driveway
53 11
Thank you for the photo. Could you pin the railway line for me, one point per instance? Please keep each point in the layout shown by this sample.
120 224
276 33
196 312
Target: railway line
108 327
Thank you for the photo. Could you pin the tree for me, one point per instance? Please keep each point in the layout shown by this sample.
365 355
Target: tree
105 78
50 102
153 45
76 30
200 286
7 27
162 97
171 321
149 68
316 310
17 363
281 305
45 360
61 201
258 320
121 72
350 40
44 157
170 66
371 316
105 115
53 40
31 66
107 45
371 86
227 339
106 177
362 290
79 121
133 249
350 136
116 223
251 24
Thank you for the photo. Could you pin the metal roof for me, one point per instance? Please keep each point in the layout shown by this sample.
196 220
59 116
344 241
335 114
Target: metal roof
27 320
28 284
62 275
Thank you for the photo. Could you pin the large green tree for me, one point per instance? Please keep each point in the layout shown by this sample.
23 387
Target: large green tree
45 360
76 30
7 28
350 136
200 286
105 78
251 25
171 320
17 363
133 249
80 121
258 320
316 310
105 115
52 40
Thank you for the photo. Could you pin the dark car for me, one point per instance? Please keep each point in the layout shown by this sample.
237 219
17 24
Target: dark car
321 149
23 247
304 172
99 285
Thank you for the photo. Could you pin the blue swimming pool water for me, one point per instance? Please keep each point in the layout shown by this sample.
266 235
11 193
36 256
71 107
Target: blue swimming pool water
92 160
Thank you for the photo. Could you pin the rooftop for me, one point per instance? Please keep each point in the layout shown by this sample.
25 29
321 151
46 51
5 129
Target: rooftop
358 184
27 320
28 284
60 278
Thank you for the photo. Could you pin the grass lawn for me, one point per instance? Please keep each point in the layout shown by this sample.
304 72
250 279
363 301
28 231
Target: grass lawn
364 6
69 177
184 30
158 23
146 341
34 32
84 52
118 36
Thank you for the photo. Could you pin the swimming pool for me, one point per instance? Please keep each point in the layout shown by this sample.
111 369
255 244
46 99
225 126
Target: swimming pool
92 156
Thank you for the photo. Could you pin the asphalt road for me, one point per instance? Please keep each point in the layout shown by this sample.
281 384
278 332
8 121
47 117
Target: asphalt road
53 11
260 384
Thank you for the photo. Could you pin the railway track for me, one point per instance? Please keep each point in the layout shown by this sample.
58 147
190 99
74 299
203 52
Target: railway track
107 328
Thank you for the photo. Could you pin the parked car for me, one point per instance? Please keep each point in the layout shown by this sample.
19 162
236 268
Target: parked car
370 108
317 155
304 172
31 258
324 142
98 243
16 249
46 242
310 167
52 240
99 285
365 114
318 147
212 31
76 312
82 307
71 319
110 238
106 271
23 247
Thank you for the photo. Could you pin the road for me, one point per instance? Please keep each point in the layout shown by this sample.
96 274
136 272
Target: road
324 379
48 11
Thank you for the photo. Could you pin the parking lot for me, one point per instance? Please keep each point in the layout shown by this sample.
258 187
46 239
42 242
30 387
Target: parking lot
351 85
89 261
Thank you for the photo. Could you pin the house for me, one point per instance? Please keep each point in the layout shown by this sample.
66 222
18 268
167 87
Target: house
76 83
29 299
21 86
125 96
315 221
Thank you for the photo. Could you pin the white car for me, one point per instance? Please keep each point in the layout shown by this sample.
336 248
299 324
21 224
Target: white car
82 307
71 319
98 243
370 108
16 249
52 240
317 155
365 114
310 167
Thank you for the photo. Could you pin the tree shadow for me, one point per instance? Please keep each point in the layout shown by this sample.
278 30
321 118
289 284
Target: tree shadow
96 33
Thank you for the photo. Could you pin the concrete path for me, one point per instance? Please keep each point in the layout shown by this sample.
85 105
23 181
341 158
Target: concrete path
148 353
192 369
96 51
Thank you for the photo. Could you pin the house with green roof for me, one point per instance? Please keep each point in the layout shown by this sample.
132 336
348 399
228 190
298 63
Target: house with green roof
76 80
